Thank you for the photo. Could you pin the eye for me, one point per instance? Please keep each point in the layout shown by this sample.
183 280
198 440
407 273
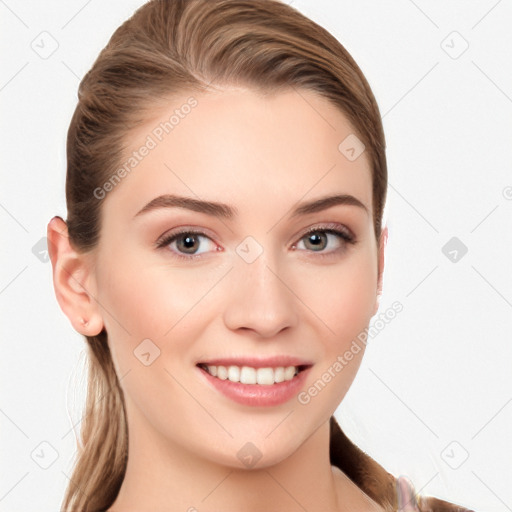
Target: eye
186 243
320 238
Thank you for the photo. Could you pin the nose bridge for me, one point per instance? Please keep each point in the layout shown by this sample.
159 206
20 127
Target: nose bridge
260 299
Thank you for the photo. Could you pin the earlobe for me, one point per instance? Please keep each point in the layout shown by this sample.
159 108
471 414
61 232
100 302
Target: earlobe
382 246
73 281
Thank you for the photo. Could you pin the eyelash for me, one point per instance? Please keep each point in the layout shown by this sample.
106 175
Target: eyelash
329 228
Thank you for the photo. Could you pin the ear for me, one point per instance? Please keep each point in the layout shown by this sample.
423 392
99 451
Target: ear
73 280
382 246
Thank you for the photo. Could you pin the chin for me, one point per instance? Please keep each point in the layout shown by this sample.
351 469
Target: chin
253 452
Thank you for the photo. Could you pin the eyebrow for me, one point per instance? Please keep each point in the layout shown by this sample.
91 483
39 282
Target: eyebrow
225 211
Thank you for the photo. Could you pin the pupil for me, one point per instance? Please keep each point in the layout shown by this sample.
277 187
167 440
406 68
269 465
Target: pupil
316 239
189 241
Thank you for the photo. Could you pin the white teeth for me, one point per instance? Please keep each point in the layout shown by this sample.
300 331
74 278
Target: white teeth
279 374
265 376
234 374
249 375
289 372
222 372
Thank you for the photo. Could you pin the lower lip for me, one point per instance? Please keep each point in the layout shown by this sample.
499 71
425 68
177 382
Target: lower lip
258 394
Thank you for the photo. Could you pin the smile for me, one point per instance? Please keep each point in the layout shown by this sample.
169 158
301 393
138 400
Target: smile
249 375
254 380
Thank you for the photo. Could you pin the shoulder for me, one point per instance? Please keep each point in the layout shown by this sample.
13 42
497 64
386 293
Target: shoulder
373 479
410 501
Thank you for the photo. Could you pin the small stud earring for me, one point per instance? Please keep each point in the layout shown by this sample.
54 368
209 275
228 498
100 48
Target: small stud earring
85 323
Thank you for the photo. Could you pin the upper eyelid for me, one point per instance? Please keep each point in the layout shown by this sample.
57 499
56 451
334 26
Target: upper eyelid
328 226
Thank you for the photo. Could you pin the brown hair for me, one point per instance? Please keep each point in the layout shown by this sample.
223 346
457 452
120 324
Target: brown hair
177 46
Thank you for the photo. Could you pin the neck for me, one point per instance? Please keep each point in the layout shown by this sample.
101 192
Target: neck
161 477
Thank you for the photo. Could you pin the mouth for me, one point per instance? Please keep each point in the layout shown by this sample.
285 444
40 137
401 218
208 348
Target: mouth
250 375
254 381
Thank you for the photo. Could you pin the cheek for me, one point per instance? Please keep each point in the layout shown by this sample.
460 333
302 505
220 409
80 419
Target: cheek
154 302
147 300
343 296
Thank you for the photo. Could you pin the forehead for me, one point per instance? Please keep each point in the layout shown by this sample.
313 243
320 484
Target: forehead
240 146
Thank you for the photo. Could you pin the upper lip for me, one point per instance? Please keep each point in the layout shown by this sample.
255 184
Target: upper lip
257 362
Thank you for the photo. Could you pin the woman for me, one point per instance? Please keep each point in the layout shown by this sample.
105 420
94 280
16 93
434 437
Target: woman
223 246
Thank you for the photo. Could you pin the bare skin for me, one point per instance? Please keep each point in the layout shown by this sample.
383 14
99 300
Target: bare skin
262 156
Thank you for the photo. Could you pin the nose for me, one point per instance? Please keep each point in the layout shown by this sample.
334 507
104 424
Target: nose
260 298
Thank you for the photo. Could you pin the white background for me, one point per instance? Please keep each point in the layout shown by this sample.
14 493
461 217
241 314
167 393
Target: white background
435 385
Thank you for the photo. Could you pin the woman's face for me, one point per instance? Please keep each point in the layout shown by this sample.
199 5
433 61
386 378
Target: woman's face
248 284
